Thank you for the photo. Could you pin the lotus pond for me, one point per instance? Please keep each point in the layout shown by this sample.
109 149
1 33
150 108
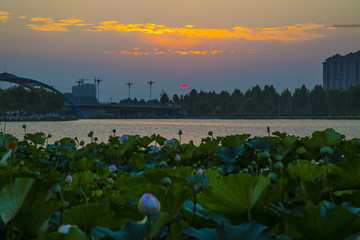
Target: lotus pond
132 187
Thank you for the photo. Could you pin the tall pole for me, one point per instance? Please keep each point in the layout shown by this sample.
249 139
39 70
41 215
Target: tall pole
129 84
98 80
151 82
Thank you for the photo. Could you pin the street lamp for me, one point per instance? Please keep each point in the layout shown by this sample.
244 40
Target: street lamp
129 84
98 80
151 82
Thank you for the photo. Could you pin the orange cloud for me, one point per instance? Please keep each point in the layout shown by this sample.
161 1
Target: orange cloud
50 25
23 17
4 16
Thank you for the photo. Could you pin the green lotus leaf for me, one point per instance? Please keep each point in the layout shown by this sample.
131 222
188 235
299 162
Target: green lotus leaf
289 144
67 142
319 222
85 177
173 199
229 154
12 197
33 218
234 193
135 231
346 176
90 216
200 211
251 231
234 140
305 171
316 141
36 138
73 234
331 137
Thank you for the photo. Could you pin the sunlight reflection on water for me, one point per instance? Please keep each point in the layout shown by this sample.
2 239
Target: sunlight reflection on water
193 129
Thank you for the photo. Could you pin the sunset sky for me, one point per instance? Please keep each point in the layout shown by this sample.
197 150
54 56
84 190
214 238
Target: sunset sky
206 44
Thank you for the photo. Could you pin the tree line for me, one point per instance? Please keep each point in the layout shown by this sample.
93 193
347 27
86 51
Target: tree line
267 101
34 101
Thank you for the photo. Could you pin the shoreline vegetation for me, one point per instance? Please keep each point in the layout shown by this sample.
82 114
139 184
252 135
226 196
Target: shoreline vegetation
251 117
131 187
255 103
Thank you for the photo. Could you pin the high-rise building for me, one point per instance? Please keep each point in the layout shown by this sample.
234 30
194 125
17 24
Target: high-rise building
341 71
84 90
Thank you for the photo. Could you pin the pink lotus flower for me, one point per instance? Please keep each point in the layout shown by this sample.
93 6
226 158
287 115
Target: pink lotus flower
149 205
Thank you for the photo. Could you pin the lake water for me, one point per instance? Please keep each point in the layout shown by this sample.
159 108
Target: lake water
193 129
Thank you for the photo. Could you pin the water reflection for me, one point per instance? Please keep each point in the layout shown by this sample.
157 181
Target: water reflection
193 129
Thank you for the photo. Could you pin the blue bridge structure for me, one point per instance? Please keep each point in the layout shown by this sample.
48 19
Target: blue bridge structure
113 110
31 83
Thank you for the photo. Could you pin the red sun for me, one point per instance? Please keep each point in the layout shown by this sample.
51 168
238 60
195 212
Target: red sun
184 86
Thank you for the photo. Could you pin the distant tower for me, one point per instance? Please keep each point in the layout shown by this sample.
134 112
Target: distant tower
129 84
151 82
98 80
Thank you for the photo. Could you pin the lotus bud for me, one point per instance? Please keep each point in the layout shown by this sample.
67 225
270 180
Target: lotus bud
177 157
68 179
56 188
90 134
49 135
112 168
111 136
343 136
24 126
273 177
192 142
124 138
114 131
278 158
200 172
166 181
82 143
326 151
95 139
180 132
279 165
301 150
163 164
210 133
265 155
149 205
65 228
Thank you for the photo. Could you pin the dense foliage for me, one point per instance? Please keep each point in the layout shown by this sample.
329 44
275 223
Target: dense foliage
267 101
37 100
233 187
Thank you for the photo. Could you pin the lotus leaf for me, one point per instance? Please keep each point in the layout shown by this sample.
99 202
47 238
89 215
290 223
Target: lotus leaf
251 231
12 197
234 194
